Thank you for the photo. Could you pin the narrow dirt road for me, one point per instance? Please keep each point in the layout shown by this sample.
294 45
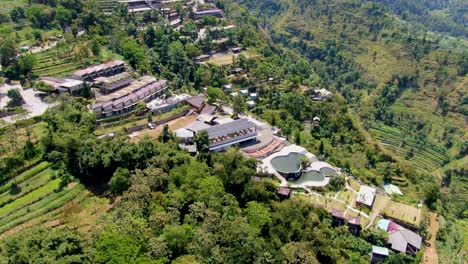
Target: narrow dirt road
430 255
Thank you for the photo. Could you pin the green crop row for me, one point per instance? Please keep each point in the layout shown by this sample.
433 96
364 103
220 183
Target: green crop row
48 208
59 70
27 186
25 175
33 207
53 63
426 146
429 151
31 197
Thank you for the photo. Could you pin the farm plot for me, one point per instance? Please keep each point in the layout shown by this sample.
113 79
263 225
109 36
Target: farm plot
403 212
7 5
6 185
425 156
49 64
12 138
35 194
107 5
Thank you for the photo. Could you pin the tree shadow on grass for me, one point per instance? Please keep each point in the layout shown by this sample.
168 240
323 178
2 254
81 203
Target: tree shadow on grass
15 189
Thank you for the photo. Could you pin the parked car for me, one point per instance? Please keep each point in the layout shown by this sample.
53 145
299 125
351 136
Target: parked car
151 126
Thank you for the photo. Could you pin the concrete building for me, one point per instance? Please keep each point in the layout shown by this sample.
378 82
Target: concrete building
208 12
201 58
123 101
160 105
139 6
405 241
366 196
101 70
64 85
197 102
110 84
379 254
239 131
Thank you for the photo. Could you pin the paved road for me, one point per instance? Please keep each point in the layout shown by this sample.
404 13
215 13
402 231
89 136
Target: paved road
33 103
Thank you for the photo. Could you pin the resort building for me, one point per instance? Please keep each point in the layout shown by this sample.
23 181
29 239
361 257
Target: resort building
405 241
366 196
196 102
139 6
110 84
379 254
201 58
239 131
63 85
160 105
337 217
123 101
208 12
197 126
208 109
101 70
184 135
354 225
284 193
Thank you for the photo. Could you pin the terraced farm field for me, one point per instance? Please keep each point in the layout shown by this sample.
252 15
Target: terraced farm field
7 5
13 138
49 64
107 5
35 197
427 156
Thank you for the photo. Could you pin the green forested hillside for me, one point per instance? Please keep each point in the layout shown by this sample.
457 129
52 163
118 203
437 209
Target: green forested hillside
392 76
405 85
396 113
447 16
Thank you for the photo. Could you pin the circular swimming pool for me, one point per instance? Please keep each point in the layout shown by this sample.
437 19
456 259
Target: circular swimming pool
289 165
328 171
312 175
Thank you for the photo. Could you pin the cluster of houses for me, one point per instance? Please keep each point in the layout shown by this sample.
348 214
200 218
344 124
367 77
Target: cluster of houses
164 8
250 98
400 239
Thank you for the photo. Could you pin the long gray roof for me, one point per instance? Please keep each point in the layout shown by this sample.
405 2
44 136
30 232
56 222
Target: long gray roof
229 128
